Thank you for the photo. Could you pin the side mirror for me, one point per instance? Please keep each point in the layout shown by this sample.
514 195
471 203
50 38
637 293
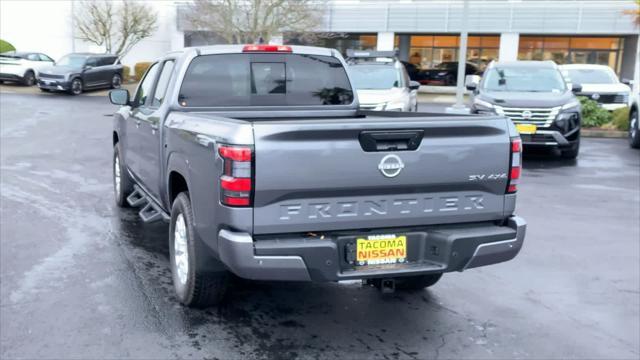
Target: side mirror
119 97
414 85
576 88
87 67
471 82
627 82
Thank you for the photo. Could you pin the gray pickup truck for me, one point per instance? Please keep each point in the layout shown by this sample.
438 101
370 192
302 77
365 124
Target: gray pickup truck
260 160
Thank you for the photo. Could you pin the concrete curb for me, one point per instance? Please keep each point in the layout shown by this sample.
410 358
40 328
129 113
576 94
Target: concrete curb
600 133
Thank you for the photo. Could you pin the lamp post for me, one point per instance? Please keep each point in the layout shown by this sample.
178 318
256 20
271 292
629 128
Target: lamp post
459 106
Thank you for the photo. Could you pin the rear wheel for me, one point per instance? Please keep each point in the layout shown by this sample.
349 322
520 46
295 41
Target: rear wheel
194 287
76 87
29 78
572 151
634 129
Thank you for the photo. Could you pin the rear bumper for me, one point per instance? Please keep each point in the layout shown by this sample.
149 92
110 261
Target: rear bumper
432 249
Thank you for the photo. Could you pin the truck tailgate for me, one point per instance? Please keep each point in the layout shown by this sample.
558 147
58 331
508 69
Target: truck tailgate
348 173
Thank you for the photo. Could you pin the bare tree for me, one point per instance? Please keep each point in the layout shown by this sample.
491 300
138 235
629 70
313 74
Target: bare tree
117 26
249 21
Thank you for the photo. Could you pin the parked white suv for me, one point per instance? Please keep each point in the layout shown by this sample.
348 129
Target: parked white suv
599 83
22 67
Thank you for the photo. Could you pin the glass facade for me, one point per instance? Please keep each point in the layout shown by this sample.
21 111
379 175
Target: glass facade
339 41
572 50
428 51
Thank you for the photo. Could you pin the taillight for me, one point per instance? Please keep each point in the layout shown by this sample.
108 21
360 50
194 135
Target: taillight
515 166
236 182
266 48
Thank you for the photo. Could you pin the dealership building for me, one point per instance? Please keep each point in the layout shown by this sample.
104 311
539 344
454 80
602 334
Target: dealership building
425 32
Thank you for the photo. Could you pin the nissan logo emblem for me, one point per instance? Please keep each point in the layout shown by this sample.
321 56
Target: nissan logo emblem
526 114
595 96
391 165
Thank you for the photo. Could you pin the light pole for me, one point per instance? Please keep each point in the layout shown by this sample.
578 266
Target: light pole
459 106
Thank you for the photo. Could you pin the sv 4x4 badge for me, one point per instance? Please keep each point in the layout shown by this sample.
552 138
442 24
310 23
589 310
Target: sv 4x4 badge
487 177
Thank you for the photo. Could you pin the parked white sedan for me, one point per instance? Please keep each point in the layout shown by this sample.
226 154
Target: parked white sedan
599 83
22 67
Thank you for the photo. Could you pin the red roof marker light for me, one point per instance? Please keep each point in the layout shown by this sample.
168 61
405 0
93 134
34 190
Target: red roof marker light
266 48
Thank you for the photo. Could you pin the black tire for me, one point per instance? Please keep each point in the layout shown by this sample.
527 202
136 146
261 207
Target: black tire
571 152
116 81
450 80
417 282
44 90
634 129
126 184
29 78
76 87
200 289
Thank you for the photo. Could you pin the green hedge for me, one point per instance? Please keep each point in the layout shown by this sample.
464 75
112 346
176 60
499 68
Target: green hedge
126 73
592 114
5 46
140 68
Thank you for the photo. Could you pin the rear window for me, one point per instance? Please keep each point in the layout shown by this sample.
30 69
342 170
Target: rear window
265 80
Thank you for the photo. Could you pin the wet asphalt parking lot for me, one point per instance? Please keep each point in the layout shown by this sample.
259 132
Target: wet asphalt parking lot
81 278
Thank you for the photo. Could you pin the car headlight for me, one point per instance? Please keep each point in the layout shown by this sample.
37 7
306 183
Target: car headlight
567 120
570 105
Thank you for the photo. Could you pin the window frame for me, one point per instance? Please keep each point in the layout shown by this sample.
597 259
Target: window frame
155 85
135 103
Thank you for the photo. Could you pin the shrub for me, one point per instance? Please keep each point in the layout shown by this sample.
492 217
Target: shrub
140 68
126 73
5 46
592 114
620 119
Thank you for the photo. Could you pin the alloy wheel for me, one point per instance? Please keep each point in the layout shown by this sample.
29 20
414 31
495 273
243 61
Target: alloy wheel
181 255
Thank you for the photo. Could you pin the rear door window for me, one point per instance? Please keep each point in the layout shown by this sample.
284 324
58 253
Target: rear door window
265 80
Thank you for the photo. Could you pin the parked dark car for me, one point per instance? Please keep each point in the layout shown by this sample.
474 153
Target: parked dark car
446 73
536 97
78 72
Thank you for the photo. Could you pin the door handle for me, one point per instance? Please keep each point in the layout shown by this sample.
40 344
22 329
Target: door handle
137 123
154 126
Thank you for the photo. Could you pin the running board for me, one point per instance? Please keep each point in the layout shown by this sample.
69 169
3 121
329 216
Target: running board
151 211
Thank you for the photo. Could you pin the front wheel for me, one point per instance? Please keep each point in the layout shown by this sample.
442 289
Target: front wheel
116 81
122 184
572 151
194 287
76 87
634 129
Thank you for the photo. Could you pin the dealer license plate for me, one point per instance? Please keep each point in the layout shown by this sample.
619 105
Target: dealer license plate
526 128
381 249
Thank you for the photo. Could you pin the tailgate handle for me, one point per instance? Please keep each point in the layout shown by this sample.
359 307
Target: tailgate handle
396 140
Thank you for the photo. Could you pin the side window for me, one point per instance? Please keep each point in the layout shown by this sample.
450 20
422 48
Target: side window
93 62
107 61
44 57
33 57
146 85
163 83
